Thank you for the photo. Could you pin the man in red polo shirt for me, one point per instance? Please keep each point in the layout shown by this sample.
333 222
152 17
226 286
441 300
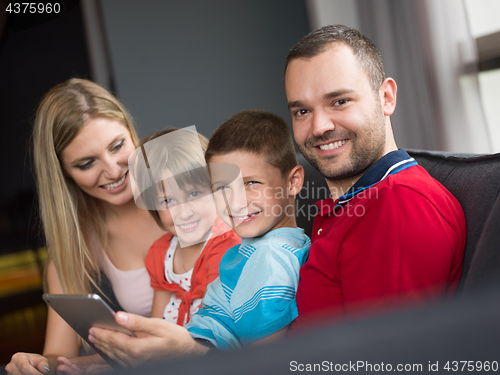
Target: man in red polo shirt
390 233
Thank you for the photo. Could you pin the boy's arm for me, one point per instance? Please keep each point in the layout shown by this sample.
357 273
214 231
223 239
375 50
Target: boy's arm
160 300
262 303
214 322
264 300
281 334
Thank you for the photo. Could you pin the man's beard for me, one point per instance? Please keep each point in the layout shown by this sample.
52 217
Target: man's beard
361 157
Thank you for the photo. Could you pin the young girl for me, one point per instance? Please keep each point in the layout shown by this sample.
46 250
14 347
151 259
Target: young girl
186 259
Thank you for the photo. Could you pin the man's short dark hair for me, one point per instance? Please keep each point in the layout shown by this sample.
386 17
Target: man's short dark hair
363 48
258 132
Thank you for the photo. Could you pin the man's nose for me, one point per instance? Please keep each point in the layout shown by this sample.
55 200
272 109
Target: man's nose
321 123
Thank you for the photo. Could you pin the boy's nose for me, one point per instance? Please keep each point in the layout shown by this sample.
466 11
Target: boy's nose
238 202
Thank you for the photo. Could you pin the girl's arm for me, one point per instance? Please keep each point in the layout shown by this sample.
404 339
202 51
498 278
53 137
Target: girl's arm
160 300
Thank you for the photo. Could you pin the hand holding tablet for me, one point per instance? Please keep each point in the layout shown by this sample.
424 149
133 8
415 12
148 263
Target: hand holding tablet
82 312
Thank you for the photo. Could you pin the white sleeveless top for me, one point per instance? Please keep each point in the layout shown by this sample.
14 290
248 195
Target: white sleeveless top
132 288
171 311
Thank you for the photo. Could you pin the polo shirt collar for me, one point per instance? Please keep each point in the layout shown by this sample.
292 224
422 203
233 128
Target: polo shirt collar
389 164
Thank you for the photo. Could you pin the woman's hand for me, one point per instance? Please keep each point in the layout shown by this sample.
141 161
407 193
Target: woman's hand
158 340
27 364
92 364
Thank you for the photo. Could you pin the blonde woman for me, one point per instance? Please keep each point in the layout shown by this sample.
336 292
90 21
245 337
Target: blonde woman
82 140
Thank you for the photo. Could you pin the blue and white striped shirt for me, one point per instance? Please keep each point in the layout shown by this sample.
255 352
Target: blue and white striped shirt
254 295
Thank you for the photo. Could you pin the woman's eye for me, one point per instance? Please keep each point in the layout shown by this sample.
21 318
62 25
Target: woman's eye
86 165
118 146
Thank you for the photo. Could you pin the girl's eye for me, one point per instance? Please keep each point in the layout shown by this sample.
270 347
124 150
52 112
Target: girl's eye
194 194
85 165
169 201
118 146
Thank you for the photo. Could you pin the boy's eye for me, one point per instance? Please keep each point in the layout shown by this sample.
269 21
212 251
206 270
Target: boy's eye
252 183
118 146
85 165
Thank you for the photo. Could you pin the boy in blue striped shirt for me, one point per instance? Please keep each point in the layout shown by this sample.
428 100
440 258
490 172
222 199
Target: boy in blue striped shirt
255 178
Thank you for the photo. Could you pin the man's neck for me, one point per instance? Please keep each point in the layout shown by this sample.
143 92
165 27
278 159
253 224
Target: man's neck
340 187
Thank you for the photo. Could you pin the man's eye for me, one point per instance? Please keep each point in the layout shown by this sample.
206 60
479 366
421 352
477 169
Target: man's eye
340 102
118 146
301 112
86 165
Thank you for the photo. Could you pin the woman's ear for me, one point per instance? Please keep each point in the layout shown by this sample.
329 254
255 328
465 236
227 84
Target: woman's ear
295 180
64 172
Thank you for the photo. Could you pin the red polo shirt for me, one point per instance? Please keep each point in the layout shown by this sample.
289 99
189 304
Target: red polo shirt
398 236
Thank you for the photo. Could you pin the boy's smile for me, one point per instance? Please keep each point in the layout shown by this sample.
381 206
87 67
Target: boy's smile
245 218
266 204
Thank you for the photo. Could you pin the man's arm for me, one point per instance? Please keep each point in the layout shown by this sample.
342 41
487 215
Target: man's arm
158 340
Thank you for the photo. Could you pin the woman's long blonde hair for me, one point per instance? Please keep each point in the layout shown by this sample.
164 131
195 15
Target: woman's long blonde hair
73 221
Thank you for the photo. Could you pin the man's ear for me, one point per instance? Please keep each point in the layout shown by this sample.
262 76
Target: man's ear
295 180
387 92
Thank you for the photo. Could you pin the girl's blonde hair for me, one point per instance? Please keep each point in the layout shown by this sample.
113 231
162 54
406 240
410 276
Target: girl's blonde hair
73 221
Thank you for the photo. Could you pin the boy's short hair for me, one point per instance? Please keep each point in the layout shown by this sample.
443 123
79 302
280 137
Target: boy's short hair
257 132
184 162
